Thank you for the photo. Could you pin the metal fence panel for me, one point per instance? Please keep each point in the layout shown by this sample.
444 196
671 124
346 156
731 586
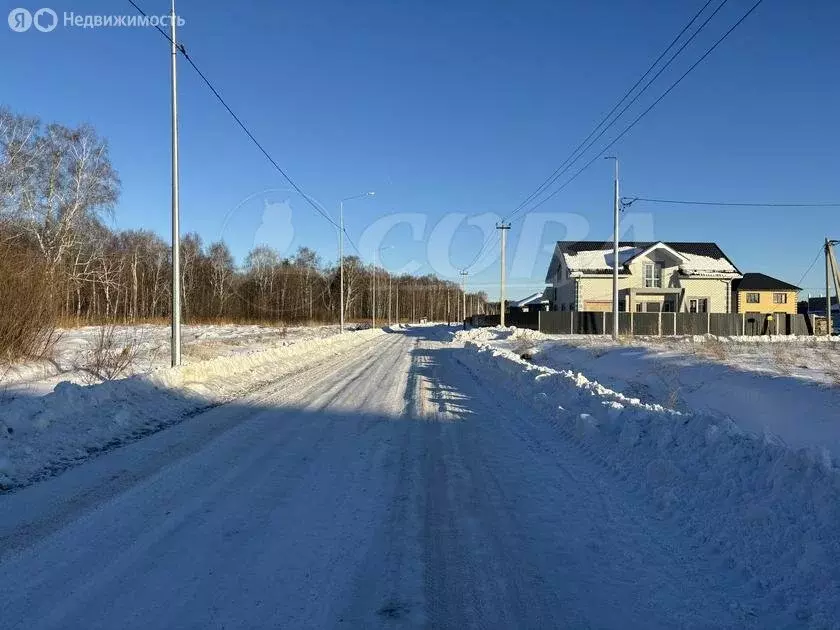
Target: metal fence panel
479 321
800 325
753 324
523 320
556 322
645 323
591 322
692 323
669 324
600 323
625 324
725 324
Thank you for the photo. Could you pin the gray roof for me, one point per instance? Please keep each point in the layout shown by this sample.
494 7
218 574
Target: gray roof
761 282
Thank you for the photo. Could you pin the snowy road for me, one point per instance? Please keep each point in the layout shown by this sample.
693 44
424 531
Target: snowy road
396 488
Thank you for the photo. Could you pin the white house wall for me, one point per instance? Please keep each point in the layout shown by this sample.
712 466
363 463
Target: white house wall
584 289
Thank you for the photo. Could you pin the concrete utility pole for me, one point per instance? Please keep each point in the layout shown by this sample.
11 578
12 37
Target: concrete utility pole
341 251
390 319
464 275
827 289
504 227
373 280
833 273
616 207
341 264
448 311
175 341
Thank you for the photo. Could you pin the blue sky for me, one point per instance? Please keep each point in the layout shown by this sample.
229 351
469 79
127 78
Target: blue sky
453 112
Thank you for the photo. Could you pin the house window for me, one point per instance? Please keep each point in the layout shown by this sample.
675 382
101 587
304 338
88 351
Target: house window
698 305
639 307
780 298
753 298
653 275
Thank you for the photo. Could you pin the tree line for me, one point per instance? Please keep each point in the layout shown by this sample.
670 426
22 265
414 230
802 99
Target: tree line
61 262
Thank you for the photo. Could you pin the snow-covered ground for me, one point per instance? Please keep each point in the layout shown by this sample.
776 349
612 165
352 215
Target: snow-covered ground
753 383
764 510
408 477
45 433
73 357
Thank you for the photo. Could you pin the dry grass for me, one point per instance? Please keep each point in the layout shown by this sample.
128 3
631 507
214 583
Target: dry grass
713 349
27 316
113 354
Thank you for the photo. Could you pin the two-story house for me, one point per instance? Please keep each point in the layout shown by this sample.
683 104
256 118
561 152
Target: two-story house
652 277
759 293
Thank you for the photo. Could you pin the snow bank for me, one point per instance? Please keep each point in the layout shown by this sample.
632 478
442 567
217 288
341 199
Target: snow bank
786 390
72 356
760 507
42 435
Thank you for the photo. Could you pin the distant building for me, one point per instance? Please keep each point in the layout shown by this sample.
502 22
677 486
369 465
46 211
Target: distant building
760 293
530 304
816 306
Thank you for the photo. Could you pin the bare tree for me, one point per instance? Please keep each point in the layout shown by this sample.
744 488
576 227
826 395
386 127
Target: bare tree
221 274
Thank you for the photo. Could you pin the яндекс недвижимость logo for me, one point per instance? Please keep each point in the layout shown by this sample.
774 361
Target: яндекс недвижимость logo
44 20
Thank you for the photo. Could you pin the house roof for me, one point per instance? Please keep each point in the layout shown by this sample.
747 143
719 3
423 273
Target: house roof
535 298
762 282
591 257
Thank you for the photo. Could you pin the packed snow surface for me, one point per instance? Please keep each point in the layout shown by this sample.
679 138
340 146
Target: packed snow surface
40 435
406 478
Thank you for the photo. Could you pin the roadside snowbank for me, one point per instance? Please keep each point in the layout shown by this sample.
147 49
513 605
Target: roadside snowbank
72 358
763 508
747 385
42 435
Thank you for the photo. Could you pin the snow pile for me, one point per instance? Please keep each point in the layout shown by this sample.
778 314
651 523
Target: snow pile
787 390
42 435
72 357
760 507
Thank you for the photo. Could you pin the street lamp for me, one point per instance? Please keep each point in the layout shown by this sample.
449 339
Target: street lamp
341 247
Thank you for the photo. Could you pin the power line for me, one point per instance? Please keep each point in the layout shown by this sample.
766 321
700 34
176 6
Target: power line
649 108
485 248
630 200
586 143
814 262
489 243
244 128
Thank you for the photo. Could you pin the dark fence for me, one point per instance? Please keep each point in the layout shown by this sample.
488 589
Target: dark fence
523 320
652 324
